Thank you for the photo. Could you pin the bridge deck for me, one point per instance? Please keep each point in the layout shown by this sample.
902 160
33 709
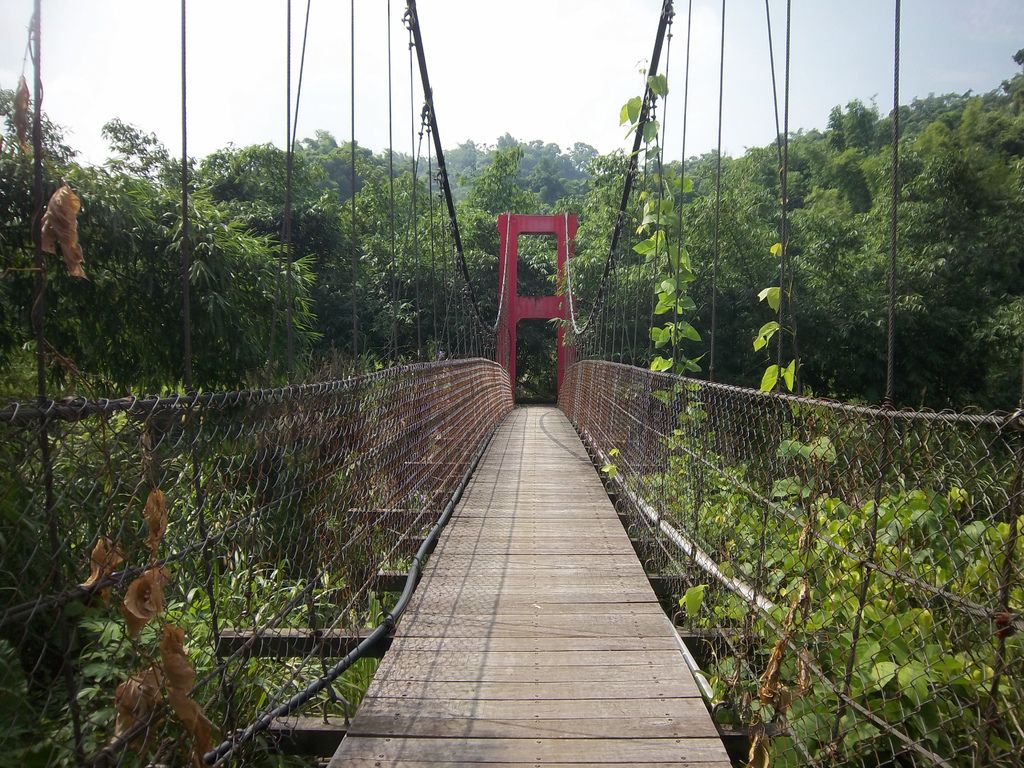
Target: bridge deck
534 636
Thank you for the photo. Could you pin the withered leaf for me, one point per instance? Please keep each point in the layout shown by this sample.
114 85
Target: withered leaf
768 688
60 225
144 599
21 120
105 558
179 671
180 676
135 701
156 519
758 756
803 676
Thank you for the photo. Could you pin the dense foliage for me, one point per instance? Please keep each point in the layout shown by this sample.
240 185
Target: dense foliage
960 321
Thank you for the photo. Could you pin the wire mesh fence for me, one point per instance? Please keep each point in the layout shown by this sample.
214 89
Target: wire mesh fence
858 570
153 548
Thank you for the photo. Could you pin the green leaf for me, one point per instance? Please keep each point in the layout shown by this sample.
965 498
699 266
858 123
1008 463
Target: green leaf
764 335
687 184
611 470
882 672
668 286
650 244
613 452
630 110
773 295
789 487
822 448
913 680
687 331
790 449
661 364
788 374
693 599
660 336
770 378
665 304
658 85
651 128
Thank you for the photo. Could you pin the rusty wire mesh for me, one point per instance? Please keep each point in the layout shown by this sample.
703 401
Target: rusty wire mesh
863 567
283 506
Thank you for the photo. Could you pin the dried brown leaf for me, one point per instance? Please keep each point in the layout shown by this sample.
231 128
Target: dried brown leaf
144 599
180 677
768 688
135 701
179 672
156 519
803 676
21 119
759 756
60 225
105 558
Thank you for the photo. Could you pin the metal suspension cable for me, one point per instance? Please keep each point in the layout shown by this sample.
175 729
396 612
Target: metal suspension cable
186 244
718 203
412 20
287 224
38 320
627 188
430 229
416 150
682 168
894 191
789 301
352 149
291 129
302 69
391 200
775 90
783 194
659 160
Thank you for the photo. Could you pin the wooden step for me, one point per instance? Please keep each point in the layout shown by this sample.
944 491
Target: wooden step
306 735
296 643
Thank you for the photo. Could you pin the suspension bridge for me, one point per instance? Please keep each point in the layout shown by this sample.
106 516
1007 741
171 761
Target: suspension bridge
402 567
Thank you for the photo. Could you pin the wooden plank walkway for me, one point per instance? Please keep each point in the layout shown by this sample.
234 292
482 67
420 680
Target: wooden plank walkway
534 637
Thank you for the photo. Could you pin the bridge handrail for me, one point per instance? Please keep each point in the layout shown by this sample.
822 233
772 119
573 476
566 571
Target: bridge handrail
839 543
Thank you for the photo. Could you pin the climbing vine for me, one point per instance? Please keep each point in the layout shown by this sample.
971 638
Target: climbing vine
661 243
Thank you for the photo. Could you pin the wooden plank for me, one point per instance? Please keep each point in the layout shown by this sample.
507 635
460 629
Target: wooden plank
552 709
532 547
435 689
599 751
374 762
534 637
514 602
563 659
568 645
467 672
305 735
427 725
480 607
513 625
290 643
390 581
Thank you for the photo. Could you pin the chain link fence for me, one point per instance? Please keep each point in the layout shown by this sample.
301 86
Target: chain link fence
857 573
154 549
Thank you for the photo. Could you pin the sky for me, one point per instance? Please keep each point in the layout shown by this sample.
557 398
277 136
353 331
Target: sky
554 70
